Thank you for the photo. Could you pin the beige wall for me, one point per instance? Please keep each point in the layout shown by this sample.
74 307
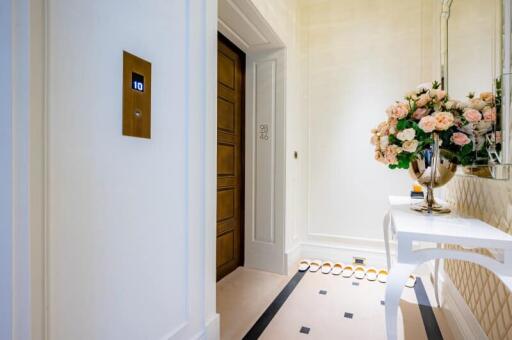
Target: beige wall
359 56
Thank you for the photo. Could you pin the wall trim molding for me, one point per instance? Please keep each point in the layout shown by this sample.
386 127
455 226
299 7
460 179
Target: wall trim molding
338 249
349 242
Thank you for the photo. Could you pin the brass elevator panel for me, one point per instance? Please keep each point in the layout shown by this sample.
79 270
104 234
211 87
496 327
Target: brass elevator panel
136 96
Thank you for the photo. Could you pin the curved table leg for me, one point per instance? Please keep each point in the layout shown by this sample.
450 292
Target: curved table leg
385 226
436 281
396 280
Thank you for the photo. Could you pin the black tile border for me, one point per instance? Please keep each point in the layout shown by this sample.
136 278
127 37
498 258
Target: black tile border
427 313
259 327
304 330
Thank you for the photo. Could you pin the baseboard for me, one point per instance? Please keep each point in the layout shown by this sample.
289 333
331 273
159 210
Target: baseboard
292 258
212 327
343 249
463 323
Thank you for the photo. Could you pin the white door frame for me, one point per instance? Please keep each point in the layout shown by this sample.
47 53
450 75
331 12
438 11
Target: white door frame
265 133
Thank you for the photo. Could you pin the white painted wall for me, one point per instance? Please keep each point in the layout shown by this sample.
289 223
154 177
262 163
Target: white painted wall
126 216
359 57
6 226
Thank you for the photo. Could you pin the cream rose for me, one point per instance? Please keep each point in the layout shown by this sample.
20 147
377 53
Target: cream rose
490 114
444 120
423 100
374 140
410 145
451 104
384 142
427 124
411 94
407 134
460 139
472 115
487 97
379 157
477 104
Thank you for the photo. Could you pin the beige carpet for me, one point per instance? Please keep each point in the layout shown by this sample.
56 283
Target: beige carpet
245 294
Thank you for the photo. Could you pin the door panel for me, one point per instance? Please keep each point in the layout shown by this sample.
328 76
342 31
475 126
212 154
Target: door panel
230 155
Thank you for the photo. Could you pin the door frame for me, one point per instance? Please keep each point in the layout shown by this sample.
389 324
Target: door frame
265 181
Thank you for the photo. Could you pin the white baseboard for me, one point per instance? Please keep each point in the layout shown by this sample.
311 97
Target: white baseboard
463 323
343 249
292 258
213 327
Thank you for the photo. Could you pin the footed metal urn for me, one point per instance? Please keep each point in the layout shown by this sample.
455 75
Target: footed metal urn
432 170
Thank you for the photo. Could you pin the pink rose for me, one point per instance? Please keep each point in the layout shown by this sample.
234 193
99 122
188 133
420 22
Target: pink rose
439 95
490 114
472 115
423 100
419 113
392 122
460 139
398 110
391 154
444 120
382 129
427 124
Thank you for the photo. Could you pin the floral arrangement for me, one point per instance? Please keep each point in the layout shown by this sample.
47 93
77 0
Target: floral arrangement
464 127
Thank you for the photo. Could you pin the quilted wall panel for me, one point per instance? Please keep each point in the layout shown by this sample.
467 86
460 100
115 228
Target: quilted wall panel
487 297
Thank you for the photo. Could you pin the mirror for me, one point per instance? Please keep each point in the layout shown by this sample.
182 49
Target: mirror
475 58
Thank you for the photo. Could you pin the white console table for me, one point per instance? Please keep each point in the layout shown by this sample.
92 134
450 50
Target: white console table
409 228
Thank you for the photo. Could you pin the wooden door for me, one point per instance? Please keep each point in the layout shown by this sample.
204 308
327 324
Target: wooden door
230 154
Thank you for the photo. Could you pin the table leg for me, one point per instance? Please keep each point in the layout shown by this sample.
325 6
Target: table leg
436 281
396 280
385 226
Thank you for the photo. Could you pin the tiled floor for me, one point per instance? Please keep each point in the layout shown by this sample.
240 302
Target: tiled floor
320 307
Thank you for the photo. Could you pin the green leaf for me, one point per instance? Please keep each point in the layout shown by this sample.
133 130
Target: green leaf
402 124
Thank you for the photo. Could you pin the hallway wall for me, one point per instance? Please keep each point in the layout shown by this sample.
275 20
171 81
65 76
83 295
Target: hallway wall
6 165
126 216
352 71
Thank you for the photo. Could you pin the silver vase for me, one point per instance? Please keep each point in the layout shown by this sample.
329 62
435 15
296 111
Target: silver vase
432 170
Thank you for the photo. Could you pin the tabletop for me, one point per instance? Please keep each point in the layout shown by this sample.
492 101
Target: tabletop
449 228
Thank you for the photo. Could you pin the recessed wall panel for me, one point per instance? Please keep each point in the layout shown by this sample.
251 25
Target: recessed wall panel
265 110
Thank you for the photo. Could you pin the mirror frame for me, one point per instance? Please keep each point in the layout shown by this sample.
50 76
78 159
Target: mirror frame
502 69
